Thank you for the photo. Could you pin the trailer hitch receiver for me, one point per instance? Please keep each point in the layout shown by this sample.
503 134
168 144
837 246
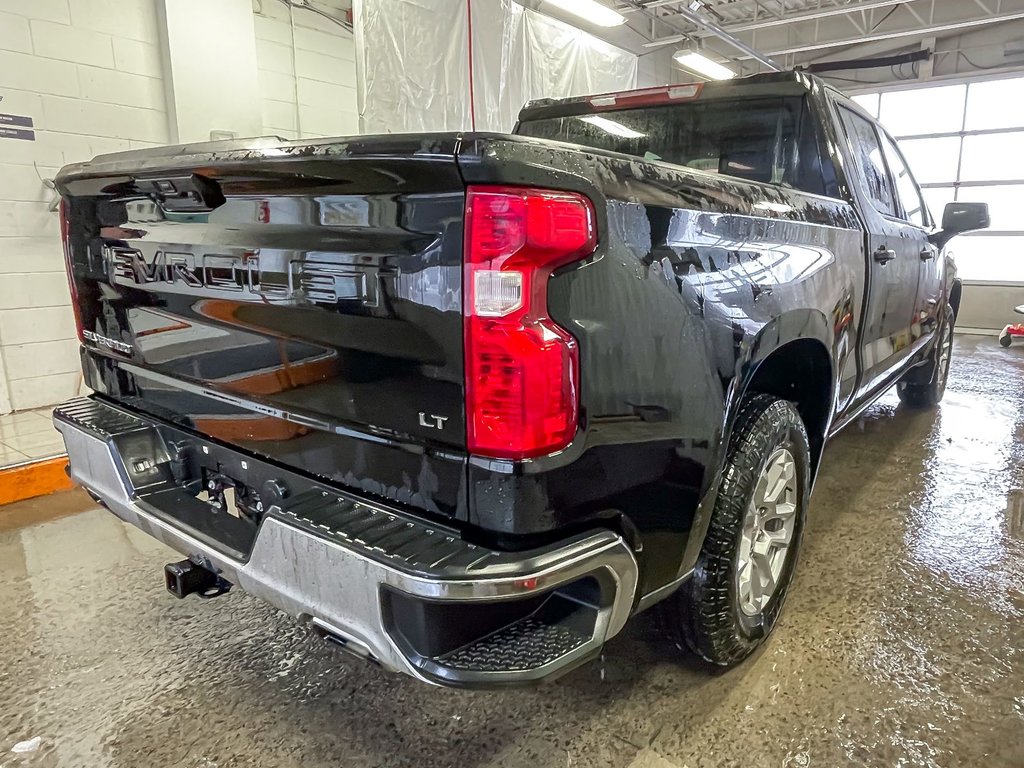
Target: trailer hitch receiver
185 578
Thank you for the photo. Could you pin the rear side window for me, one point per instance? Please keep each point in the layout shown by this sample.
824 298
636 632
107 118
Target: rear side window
907 191
768 140
868 156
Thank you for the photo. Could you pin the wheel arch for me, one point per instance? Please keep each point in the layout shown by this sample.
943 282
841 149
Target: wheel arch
793 358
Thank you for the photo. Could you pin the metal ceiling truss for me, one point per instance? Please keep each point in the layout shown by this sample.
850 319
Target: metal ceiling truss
793 32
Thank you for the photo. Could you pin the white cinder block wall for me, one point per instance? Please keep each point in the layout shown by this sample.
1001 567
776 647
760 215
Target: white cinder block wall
324 59
88 72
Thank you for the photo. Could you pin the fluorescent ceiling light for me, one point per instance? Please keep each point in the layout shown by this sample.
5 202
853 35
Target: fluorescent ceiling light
612 127
702 65
590 10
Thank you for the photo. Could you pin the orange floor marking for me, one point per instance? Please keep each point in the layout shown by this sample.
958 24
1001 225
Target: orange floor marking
38 478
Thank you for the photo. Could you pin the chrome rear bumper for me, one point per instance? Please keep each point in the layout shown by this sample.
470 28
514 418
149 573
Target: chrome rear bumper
378 580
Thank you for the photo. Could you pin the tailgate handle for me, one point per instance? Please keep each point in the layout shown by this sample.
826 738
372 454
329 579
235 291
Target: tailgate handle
189 193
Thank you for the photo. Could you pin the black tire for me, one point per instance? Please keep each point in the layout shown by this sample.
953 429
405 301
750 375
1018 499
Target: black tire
924 387
1005 339
706 615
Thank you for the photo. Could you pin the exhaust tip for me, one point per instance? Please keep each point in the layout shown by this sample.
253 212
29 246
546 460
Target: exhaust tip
340 640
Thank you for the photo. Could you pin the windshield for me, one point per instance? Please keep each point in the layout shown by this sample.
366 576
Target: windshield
769 140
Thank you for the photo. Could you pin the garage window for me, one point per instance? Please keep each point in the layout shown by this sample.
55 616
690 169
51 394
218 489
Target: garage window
963 142
933 160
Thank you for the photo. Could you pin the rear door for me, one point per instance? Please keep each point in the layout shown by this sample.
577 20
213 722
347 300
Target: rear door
931 279
890 330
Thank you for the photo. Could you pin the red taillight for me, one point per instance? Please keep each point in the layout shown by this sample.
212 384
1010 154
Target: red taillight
69 265
522 370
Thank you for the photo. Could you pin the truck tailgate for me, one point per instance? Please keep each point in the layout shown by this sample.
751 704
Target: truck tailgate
300 301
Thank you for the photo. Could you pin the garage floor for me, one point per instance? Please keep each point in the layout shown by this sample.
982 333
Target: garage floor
902 644
28 436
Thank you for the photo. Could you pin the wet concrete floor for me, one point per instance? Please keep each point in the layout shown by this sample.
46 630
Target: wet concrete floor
902 643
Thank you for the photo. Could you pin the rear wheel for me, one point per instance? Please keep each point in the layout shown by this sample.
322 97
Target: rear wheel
746 565
924 387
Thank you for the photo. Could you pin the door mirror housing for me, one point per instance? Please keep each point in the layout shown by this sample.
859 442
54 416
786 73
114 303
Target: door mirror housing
965 217
958 218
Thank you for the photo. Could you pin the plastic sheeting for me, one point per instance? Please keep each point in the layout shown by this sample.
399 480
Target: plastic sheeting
414 60
520 55
413 65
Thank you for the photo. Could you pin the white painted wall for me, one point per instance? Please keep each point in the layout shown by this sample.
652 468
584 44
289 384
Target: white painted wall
989 306
209 60
324 58
89 74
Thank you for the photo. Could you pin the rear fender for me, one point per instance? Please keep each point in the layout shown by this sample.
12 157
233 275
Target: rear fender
787 328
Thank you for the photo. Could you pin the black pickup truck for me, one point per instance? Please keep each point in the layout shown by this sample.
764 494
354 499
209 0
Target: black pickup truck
467 402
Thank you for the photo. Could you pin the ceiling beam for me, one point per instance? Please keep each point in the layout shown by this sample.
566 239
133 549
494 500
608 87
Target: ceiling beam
653 4
654 18
695 18
648 6
795 18
917 31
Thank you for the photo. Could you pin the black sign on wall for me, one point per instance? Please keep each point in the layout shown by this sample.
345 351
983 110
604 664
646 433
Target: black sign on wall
16 127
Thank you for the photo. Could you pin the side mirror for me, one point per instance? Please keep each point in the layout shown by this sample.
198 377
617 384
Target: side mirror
965 217
958 218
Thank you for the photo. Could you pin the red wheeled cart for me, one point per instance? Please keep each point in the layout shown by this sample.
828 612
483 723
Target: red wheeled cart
1013 329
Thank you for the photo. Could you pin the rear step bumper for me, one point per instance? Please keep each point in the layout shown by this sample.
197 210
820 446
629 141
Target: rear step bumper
413 596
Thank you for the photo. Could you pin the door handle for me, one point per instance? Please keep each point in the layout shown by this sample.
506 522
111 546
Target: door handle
884 255
927 254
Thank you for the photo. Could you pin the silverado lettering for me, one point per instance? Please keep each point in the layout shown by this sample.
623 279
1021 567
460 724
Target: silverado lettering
129 265
218 273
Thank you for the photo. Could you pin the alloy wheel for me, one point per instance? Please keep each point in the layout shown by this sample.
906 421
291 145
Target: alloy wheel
768 529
